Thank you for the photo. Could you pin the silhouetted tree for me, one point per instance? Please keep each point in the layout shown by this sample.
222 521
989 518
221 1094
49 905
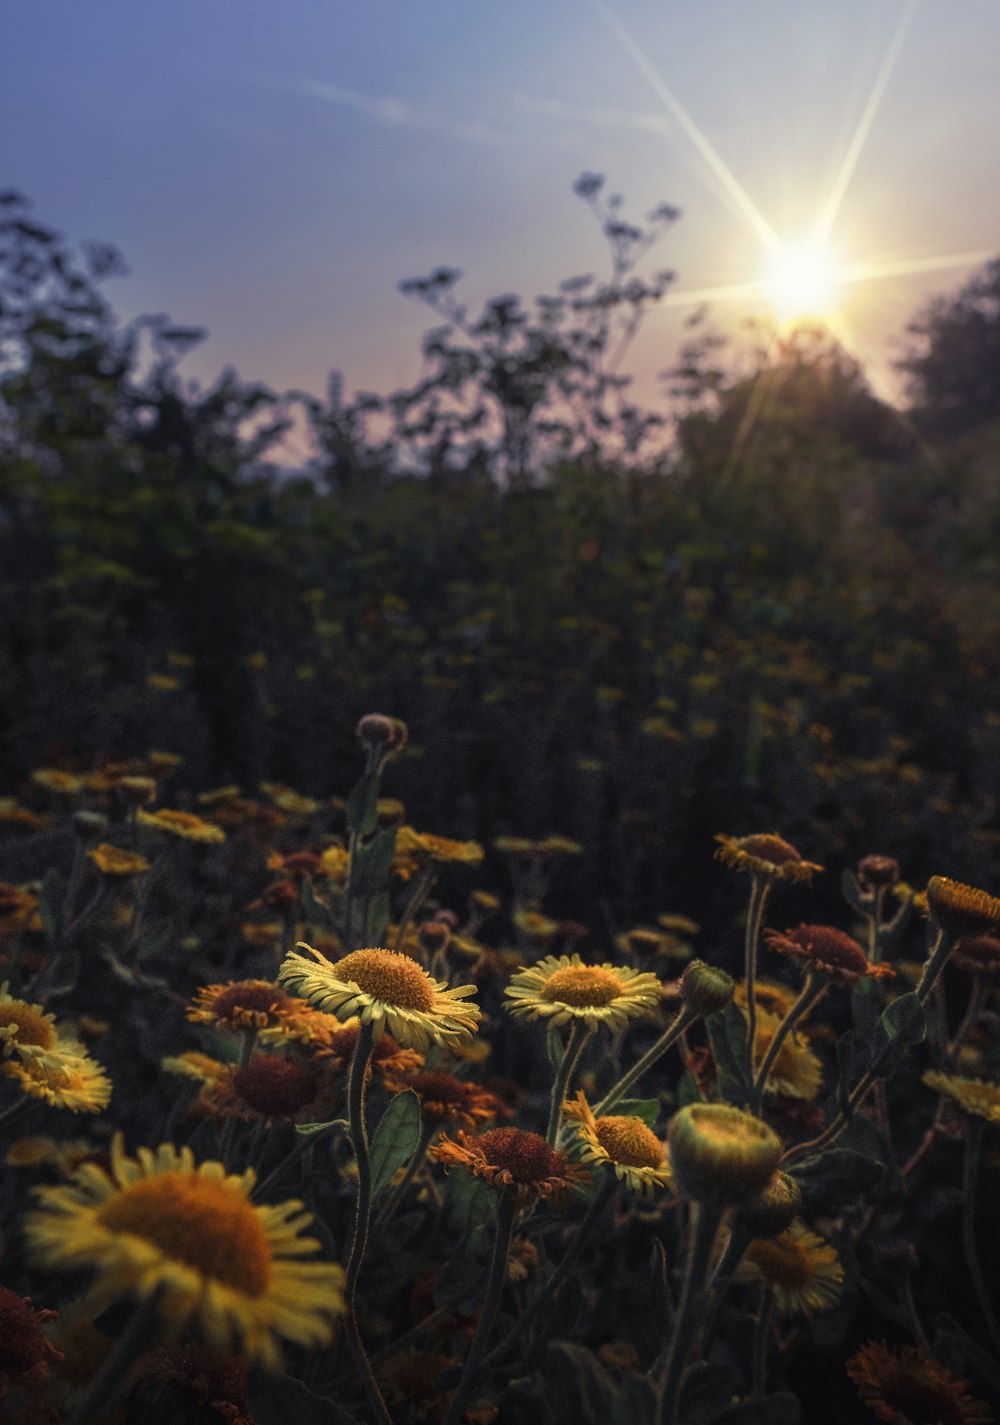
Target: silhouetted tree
954 363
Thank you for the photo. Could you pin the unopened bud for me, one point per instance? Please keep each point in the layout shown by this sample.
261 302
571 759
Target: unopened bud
705 989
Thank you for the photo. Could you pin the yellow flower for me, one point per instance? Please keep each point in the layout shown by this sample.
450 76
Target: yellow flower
25 1029
160 1225
796 1072
765 854
162 683
423 846
183 824
113 861
905 1386
973 1096
65 1077
961 909
385 989
288 800
335 860
802 1269
535 925
53 779
562 989
622 1141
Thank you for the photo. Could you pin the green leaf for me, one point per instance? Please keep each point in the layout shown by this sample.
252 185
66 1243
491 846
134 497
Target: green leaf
362 804
373 862
306 1129
707 1390
727 1037
468 1202
648 1109
635 1402
463 1277
50 906
904 1019
379 913
274 1400
316 912
832 1179
395 1139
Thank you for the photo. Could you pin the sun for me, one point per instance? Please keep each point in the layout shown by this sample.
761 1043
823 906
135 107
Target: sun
804 282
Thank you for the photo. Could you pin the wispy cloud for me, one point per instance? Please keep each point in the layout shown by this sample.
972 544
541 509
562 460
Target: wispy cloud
386 109
589 114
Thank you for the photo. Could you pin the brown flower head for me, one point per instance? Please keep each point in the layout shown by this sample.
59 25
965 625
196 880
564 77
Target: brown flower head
447 1099
25 1353
270 1087
335 1043
247 1004
905 1386
824 950
765 854
977 955
960 909
876 871
514 1159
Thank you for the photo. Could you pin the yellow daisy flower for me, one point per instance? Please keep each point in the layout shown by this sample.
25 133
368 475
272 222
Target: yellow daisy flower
562 989
160 1225
973 1096
113 861
625 1143
803 1270
797 1071
25 1029
66 1077
386 989
183 824
424 846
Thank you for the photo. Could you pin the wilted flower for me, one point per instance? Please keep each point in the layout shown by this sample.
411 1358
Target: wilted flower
824 950
512 1158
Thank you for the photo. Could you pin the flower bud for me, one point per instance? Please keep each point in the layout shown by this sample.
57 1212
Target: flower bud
90 825
721 1154
774 1209
376 728
705 989
876 871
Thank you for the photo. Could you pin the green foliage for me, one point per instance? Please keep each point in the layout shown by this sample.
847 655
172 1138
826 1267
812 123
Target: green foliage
395 1139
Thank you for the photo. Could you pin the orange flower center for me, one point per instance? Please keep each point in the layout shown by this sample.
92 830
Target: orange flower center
205 1225
526 1156
29 1021
782 1262
628 1141
388 976
582 986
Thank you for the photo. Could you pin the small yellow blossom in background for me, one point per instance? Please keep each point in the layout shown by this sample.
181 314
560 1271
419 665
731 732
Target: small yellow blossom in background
160 762
802 1269
218 794
53 779
424 846
306 672
65 1077
179 660
12 814
537 927
183 824
288 800
162 683
256 662
157 1225
973 1096
113 861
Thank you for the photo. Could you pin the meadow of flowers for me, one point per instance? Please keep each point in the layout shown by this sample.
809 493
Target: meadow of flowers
303 1122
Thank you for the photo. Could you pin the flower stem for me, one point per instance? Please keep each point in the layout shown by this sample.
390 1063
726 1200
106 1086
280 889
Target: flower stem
761 1335
935 964
706 1219
494 1289
140 1333
759 890
362 1215
669 1036
594 1213
973 1146
977 996
813 988
578 1036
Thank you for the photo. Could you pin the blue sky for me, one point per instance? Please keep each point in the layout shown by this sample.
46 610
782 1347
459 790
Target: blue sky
272 171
